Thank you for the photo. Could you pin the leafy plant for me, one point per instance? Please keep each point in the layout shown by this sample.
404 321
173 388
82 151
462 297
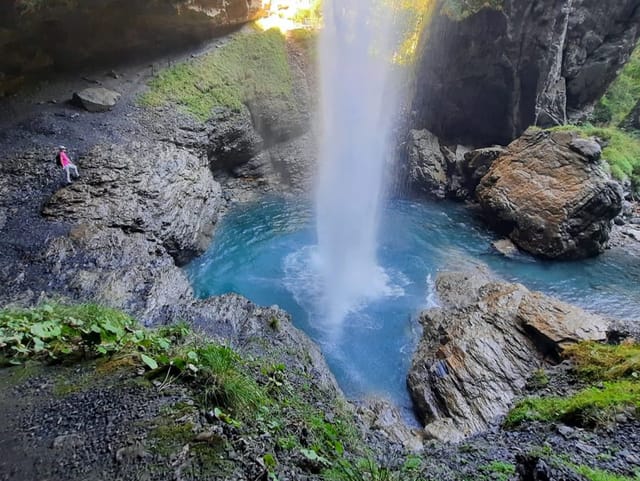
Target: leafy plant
57 332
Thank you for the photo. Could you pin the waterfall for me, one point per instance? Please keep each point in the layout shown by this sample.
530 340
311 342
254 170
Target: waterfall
357 110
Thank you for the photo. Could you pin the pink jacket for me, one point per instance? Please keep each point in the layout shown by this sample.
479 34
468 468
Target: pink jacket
64 159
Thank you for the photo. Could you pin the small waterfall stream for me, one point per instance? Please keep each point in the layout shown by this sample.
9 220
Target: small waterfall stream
357 110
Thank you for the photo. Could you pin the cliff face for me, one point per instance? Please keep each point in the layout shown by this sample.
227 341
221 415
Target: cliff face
37 35
485 78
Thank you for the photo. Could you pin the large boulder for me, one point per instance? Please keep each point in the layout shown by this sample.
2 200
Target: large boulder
158 189
96 99
479 349
551 195
488 74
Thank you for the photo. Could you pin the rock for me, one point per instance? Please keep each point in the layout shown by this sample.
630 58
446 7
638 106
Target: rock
96 99
122 270
158 189
131 454
505 247
534 468
68 441
485 77
477 164
567 432
427 164
233 141
380 415
632 121
551 200
588 148
554 324
478 351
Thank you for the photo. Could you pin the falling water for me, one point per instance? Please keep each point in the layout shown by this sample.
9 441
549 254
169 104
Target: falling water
356 115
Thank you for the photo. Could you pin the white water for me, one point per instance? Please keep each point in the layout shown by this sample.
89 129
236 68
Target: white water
356 114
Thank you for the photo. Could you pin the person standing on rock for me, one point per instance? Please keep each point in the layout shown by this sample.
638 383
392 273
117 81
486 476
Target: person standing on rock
62 159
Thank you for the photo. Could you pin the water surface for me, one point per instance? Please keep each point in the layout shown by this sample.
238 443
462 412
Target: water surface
266 252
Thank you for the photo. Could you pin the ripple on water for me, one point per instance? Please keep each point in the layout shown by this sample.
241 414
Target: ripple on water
266 252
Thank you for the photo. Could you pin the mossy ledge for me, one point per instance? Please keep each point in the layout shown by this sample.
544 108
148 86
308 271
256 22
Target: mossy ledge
250 65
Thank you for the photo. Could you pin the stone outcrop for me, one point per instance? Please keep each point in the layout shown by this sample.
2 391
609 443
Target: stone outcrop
479 349
551 196
158 189
40 35
486 77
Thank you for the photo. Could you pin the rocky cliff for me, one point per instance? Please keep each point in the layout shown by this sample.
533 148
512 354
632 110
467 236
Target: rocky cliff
485 77
36 35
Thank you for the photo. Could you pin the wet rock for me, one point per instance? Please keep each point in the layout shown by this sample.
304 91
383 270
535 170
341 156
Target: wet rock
552 201
478 351
159 189
96 99
505 247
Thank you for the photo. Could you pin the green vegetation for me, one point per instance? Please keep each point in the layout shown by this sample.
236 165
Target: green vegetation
615 369
460 9
57 332
600 475
499 470
604 361
622 151
621 96
589 407
248 66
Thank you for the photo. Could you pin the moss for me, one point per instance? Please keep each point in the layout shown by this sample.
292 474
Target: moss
169 437
588 407
249 66
622 150
605 361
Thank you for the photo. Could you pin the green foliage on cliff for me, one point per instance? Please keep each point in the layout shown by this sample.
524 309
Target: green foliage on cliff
615 370
622 95
249 66
461 9
622 150
596 405
600 475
